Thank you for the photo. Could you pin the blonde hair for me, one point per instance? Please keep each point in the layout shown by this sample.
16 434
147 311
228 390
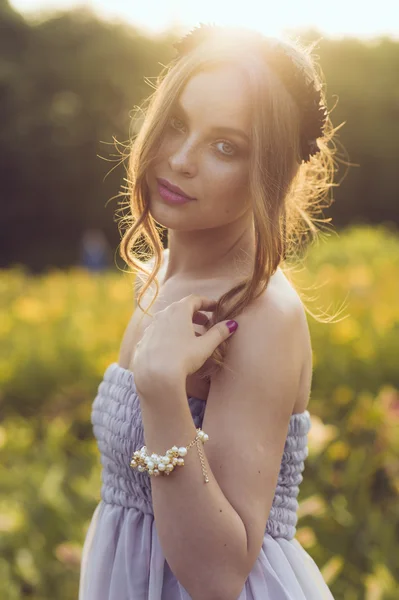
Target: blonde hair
286 195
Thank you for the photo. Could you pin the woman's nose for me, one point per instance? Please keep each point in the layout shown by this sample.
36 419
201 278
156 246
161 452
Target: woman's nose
183 159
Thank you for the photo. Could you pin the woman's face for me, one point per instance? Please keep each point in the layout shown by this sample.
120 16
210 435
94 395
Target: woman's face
198 153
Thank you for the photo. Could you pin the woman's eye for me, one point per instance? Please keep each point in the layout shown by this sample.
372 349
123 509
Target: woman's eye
230 152
176 119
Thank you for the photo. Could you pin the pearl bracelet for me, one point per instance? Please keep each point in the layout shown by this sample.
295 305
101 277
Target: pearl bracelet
156 464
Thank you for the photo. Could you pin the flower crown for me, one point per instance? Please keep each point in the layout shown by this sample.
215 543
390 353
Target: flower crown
307 97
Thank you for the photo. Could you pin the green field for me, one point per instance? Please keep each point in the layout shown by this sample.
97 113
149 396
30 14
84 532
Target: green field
60 331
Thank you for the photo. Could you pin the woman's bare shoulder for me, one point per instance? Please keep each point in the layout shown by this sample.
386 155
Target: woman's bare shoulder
132 330
150 263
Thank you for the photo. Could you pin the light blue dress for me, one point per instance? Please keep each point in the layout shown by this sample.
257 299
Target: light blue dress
122 557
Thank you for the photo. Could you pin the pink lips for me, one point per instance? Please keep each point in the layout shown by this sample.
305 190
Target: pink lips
171 195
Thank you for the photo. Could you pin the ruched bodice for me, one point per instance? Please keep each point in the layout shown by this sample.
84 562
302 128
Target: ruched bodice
118 428
122 556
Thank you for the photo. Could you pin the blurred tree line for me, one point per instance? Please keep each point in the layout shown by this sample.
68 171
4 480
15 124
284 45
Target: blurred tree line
68 86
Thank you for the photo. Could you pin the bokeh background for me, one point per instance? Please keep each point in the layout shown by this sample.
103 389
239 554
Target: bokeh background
70 77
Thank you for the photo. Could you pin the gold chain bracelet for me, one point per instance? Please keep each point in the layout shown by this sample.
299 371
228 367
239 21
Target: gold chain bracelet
156 464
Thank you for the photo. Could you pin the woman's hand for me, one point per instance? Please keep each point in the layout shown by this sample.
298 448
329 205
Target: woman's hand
170 350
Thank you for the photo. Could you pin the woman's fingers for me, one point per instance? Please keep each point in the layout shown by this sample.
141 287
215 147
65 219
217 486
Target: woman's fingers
200 303
200 318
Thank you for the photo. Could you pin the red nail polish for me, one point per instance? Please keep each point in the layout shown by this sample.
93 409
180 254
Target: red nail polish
232 325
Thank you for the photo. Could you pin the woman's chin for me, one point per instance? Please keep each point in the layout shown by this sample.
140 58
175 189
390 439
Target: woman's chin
168 215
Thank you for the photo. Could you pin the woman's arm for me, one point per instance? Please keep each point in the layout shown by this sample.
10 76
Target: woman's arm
211 534
202 536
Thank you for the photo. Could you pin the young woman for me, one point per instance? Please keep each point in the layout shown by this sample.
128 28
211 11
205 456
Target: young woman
202 426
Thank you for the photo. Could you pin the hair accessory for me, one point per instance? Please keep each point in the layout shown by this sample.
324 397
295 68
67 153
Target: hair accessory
308 98
155 464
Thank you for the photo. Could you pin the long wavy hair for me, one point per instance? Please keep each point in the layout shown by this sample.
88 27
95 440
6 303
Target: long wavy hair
286 193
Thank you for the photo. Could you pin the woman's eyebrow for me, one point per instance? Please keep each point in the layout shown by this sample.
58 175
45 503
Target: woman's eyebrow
225 129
